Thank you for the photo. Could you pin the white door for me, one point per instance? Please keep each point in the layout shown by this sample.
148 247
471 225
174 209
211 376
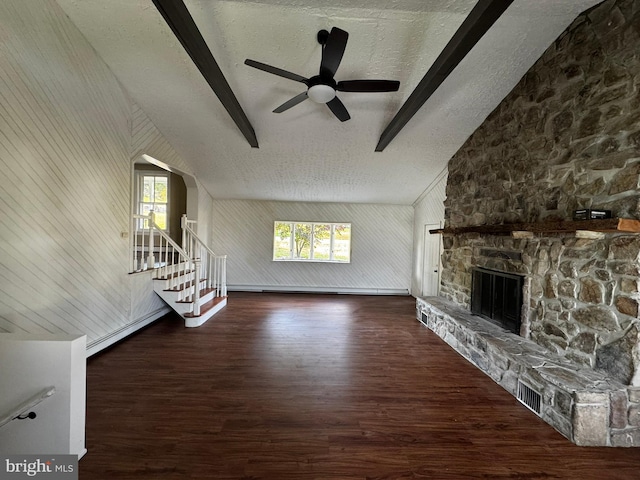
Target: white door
431 264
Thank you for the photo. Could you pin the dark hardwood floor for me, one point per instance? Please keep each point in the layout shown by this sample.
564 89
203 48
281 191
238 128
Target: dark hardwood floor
315 387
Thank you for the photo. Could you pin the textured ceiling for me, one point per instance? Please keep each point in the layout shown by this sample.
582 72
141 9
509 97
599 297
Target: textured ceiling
306 154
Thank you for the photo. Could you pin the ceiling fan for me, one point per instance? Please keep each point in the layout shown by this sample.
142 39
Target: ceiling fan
322 88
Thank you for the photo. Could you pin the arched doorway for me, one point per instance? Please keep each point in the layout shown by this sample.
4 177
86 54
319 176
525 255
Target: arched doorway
170 192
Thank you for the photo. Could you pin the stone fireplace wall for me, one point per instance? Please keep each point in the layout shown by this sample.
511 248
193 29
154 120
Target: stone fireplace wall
567 137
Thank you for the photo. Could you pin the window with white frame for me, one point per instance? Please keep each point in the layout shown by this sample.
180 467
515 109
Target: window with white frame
152 193
312 242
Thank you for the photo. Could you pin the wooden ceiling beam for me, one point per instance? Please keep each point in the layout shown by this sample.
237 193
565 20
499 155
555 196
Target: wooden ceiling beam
185 29
477 23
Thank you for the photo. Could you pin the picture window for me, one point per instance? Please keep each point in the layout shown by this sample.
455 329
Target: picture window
312 242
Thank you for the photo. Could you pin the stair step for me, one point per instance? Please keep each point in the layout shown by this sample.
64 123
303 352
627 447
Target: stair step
208 310
183 286
174 275
205 307
203 293
165 281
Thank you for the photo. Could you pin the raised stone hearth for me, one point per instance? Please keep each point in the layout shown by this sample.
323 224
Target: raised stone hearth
584 405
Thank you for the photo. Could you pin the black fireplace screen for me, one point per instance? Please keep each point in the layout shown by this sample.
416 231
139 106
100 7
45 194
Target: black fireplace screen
497 296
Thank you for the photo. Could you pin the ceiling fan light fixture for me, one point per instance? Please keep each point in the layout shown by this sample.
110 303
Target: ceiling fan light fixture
322 88
321 93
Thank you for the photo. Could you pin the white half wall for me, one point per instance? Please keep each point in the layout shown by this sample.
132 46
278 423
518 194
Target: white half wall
381 237
31 363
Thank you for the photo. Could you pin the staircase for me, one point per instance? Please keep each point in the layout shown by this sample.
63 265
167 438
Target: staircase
190 278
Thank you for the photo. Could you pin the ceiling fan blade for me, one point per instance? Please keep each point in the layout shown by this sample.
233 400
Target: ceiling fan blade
338 109
291 103
368 86
275 70
332 52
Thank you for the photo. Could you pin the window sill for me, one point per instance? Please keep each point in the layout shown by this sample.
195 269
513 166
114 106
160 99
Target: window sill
296 260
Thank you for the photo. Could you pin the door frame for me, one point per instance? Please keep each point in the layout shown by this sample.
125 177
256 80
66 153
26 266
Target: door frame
426 264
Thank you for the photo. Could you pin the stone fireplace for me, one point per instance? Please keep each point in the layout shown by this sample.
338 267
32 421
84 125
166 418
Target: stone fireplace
575 346
580 295
566 138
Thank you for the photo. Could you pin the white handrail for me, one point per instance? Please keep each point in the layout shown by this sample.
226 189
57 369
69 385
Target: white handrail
153 228
214 267
165 265
27 405
186 227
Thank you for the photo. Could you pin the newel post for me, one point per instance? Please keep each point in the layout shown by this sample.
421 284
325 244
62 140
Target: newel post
183 225
224 275
196 287
151 261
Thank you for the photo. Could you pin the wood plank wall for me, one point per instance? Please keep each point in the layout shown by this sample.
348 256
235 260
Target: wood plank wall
68 134
380 245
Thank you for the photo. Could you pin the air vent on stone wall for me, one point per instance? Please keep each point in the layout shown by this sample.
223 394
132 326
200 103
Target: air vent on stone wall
529 397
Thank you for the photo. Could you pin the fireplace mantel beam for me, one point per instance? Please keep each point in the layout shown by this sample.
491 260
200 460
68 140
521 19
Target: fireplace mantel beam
601 225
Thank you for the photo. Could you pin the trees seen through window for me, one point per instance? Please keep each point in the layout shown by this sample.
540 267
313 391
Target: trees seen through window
312 241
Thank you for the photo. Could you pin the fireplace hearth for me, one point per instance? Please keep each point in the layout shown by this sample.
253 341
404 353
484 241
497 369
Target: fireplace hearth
586 406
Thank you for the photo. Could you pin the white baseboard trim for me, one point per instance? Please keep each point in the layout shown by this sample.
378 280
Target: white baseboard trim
108 340
335 290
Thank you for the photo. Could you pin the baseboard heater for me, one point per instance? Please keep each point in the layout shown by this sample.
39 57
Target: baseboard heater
124 331
324 290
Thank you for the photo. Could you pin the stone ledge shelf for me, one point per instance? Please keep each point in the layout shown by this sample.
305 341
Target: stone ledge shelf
611 225
584 405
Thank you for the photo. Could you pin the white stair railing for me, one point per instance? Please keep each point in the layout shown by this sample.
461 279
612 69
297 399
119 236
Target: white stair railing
154 250
213 267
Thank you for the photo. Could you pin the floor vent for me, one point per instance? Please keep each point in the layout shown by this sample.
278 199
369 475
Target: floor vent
529 397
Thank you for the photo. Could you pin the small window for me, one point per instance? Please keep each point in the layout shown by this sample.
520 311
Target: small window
152 193
312 242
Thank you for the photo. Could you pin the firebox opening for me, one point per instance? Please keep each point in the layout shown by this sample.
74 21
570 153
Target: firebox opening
497 296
